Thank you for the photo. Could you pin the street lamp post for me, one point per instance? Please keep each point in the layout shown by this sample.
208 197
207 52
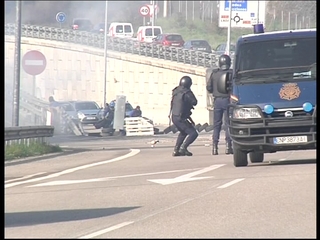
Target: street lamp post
17 59
105 54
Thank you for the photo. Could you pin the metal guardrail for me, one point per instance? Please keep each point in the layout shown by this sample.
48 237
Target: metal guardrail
132 46
14 133
26 135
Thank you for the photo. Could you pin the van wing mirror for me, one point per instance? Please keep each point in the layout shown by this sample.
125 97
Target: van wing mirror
223 83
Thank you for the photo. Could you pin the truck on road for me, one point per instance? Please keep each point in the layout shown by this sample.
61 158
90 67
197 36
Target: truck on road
273 94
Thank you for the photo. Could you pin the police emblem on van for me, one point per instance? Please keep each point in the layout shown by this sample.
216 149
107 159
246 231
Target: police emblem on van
288 114
289 91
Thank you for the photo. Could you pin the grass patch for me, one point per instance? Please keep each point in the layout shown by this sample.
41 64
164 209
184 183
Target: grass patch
16 151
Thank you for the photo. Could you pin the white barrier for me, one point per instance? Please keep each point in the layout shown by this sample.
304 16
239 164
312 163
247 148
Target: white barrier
49 119
138 126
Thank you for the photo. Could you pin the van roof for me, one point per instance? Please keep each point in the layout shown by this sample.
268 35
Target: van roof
121 23
280 33
277 35
150 27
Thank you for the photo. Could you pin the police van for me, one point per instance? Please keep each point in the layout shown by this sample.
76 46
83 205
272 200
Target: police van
148 33
273 93
117 29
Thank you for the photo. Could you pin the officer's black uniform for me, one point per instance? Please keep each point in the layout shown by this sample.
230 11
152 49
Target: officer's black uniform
220 104
183 100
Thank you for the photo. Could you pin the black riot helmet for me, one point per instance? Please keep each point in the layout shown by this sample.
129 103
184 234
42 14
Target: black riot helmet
185 81
224 61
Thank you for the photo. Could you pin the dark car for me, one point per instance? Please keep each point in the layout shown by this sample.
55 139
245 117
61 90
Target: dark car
82 24
221 49
198 45
169 40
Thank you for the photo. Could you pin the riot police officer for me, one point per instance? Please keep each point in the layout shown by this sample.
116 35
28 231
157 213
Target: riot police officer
221 102
183 101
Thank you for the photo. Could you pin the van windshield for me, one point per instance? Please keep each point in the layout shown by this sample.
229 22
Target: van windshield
86 106
280 54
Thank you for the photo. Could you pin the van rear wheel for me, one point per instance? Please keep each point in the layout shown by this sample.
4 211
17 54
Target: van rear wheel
240 157
256 157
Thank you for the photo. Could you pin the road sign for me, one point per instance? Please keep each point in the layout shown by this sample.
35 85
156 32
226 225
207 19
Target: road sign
152 11
34 62
61 17
145 11
244 13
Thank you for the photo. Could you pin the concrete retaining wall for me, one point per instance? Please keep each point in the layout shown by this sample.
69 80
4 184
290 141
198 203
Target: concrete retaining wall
76 72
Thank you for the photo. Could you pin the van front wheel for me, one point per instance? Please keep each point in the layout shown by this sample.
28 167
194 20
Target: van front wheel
240 157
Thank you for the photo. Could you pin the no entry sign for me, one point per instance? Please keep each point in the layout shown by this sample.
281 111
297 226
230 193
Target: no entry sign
34 62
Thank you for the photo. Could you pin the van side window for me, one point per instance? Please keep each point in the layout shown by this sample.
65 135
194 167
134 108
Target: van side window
127 29
148 31
119 29
157 31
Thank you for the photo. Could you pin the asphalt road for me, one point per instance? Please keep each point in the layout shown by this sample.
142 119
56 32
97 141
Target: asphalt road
123 188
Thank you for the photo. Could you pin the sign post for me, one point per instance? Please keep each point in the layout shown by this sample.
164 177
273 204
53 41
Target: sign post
34 63
144 11
60 17
245 13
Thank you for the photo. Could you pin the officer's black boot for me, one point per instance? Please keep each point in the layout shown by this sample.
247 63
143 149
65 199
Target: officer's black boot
184 151
215 149
176 151
229 149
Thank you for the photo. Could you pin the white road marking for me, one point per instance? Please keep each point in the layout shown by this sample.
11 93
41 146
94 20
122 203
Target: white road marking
106 178
132 153
231 183
103 231
24 177
33 62
187 177
66 182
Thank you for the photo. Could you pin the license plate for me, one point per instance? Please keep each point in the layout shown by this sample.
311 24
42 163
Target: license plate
91 118
175 44
201 49
290 139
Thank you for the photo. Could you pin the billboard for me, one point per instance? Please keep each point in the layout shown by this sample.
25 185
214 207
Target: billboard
244 13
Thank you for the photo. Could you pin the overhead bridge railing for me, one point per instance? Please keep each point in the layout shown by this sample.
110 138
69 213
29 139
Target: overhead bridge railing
125 45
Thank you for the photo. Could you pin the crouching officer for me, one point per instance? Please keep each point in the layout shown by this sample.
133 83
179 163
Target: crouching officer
221 102
183 101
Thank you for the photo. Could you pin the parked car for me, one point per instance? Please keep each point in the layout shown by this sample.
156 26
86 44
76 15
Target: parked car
169 39
221 49
198 45
87 111
82 24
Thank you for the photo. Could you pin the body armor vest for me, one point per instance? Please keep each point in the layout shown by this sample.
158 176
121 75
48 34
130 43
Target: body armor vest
179 107
214 80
